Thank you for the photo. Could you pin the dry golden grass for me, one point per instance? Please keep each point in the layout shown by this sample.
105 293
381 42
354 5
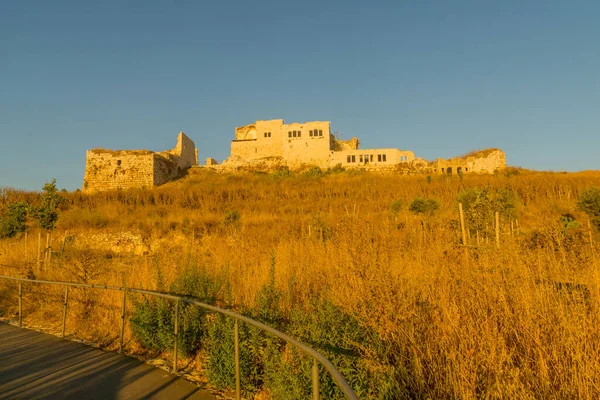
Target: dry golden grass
521 321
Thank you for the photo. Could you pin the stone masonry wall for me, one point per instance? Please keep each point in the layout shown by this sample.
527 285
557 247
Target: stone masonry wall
106 170
124 169
484 161
184 152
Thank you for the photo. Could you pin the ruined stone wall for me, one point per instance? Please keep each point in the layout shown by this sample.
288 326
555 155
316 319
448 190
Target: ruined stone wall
184 152
106 170
165 169
124 169
483 161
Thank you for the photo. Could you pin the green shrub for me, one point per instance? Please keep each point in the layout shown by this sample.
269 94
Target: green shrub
47 213
281 172
481 204
396 206
152 322
589 202
232 218
422 205
14 221
314 172
336 169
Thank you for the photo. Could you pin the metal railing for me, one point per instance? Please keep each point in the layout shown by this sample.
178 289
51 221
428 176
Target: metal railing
317 357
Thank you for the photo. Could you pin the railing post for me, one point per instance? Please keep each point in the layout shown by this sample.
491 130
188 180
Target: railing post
64 321
315 379
122 321
176 336
20 304
236 342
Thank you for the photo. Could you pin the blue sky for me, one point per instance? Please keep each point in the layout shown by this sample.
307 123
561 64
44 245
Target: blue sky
440 78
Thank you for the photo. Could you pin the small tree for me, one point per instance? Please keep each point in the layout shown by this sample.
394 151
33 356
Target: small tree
14 221
47 212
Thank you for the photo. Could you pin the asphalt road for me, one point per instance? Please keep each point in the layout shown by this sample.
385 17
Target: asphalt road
34 365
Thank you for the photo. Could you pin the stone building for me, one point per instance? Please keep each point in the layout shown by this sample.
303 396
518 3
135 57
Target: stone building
308 143
312 143
123 169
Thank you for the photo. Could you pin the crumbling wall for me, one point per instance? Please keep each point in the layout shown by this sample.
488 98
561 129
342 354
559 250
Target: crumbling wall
341 145
483 161
106 170
184 152
165 169
124 169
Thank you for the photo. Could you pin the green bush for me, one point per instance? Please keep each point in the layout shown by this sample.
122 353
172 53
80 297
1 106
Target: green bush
422 205
14 221
266 361
336 169
47 213
232 218
589 202
396 206
152 322
314 172
481 204
281 172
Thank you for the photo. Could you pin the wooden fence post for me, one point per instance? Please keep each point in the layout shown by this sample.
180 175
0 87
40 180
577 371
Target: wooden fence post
39 263
497 229
462 224
590 234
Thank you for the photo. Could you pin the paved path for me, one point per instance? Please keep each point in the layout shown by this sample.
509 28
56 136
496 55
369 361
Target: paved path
34 365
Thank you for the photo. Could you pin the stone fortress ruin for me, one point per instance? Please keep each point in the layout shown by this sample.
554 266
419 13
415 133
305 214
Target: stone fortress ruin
268 145
311 143
124 169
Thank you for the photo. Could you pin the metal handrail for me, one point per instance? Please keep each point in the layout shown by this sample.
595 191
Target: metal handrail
335 374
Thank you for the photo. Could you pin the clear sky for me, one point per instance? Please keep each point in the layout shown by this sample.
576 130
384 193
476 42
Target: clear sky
436 77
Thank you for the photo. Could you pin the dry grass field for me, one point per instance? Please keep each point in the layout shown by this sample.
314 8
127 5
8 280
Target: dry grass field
343 262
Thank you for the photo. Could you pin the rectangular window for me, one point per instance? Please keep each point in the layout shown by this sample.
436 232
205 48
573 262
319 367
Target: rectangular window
299 133
348 159
310 133
353 158
383 158
360 158
371 157
294 133
379 157
320 132
290 134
